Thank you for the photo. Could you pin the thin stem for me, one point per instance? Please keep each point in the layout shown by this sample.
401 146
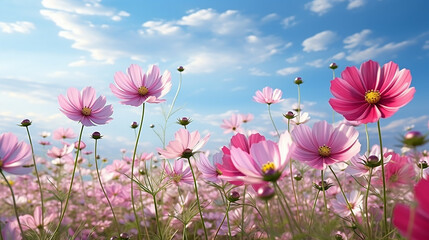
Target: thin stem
198 199
324 194
293 189
384 181
242 212
271 117
366 203
270 220
171 109
299 105
14 203
287 206
132 174
37 175
368 146
157 216
333 111
221 223
312 210
227 219
70 187
102 188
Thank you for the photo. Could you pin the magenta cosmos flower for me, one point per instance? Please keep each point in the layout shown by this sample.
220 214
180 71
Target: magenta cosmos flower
85 107
371 93
14 155
135 87
324 145
265 161
184 145
268 96
413 223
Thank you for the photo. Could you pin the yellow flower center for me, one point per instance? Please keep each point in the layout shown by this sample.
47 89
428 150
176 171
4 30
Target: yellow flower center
1 163
143 91
86 111
350 205
324 151
268 166
176 178
372 96
218 172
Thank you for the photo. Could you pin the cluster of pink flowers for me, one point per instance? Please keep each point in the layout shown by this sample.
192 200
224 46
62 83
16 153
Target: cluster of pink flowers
230 189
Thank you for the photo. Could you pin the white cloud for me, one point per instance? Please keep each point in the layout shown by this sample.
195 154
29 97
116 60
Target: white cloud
18 27
252 39
289 22
270 17
374 51
321 6
318 63
400 123
360 38
205 62
426 45
258 72
293 59
91 7
163 28
318 42
288 71
339 56
355 4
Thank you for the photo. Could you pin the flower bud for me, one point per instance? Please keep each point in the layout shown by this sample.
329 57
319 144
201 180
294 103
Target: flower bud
180 69
151 126
338 237
134 125
25 123
142 171
233 196
372 161
124 236
422 164
413 139
266 192
322 185
298 81
298 177
333 66
96 135
289 115
114 238
184 121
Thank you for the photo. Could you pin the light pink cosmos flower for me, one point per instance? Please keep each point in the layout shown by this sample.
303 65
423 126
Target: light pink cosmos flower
359 165
179 173
14 155
399 171
136 87
413 223
11 231
208 168
247 117
63 133
35 222
371 93
233 124
324 145
61 155
268 96
340 206
85 107
265 161
184 145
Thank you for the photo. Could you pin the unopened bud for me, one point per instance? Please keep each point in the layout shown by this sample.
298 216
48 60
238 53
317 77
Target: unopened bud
233 196
333 66
25 123
298 81
134 125
180 69
266 192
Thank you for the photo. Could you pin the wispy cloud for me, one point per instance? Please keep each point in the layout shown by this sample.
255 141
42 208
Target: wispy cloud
360 38
321 6
258 72
289 22
375 51
16 27
288 71
319 41
355 4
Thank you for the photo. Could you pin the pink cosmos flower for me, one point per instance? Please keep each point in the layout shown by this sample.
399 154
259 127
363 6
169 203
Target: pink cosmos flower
265 161
135 87
324 145
359 163
184 145
11 231
179 173
233 124
14 155
399 171
84 107
371 93
413 223
227 168
61 155
247 117
340 206
35 222
208 169
268 96
63 133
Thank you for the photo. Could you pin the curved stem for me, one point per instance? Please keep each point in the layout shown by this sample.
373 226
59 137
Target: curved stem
242 212
270 220
102 188
271 117
227 219
171 109
276 186
312 210
366 203
132 174
14 203
70 187
384 181
157 216
37 175
198 199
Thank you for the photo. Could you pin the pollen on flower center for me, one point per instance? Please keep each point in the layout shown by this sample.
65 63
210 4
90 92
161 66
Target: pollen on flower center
372 96
267 167
350 206
86 111
324 151
176 178
143 90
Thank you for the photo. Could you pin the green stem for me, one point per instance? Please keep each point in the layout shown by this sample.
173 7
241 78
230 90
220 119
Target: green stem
366 203
70 187
102 188
171 109
384 181
312 210
221 223
157 216
270 220
276 186
198 199
227 219
14 203
299 105
324 194
368 146
37 175
242 212
333 112
271 117
293 189
132 174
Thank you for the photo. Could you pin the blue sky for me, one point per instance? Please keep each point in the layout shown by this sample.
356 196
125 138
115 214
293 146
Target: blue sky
229 49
